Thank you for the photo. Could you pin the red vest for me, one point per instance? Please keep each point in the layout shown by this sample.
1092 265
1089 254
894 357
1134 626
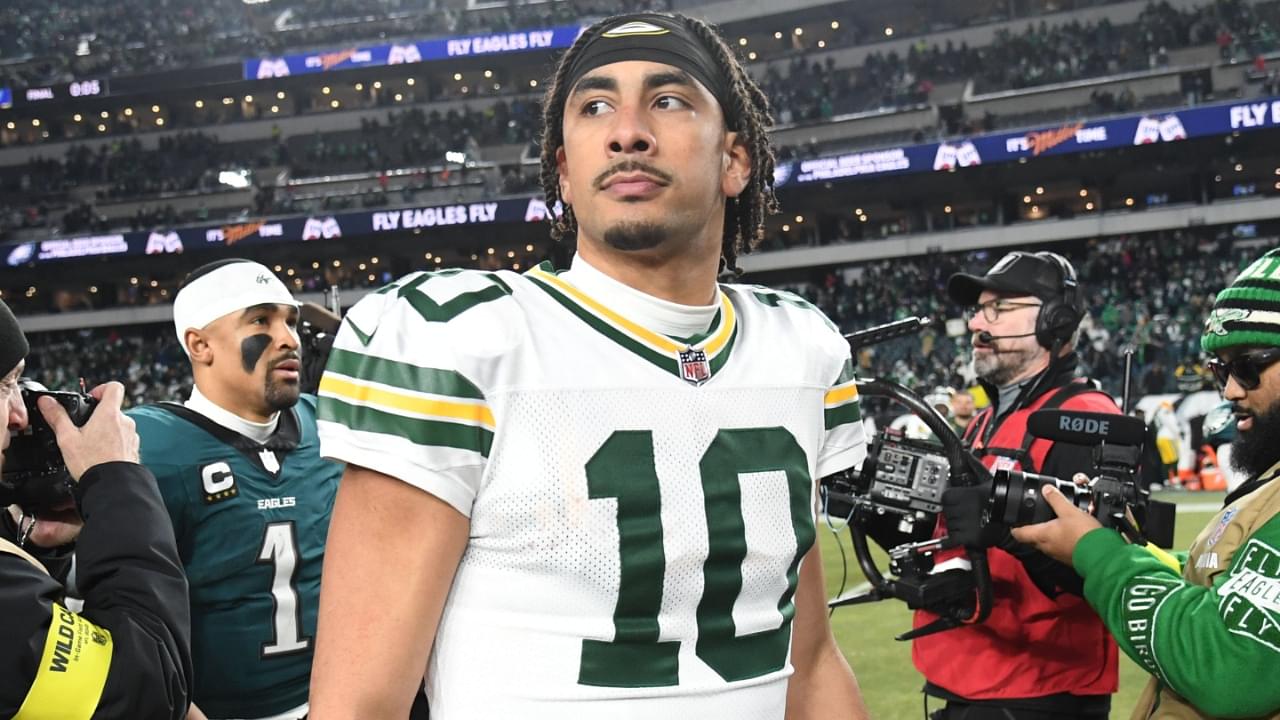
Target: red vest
1031 645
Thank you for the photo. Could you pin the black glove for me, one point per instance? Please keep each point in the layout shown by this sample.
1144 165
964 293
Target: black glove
965 510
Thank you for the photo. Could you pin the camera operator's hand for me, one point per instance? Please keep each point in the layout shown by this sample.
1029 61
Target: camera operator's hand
1058 537
108 436
964 509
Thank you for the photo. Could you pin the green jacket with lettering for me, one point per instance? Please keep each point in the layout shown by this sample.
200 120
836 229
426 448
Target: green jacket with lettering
1210 637
250 521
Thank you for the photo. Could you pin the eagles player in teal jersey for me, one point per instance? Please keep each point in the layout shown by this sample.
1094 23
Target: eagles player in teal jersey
239 468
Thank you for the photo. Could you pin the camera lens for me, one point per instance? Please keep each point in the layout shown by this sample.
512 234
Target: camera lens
1016 497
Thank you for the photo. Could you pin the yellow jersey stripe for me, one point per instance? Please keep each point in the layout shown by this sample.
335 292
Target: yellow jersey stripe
660 342
840 395
347 390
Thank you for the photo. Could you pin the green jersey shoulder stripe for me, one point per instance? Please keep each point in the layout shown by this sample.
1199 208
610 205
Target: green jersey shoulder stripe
402 375
418 431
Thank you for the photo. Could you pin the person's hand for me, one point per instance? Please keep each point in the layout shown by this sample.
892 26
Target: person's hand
1057 538
53 528
965 511
108 436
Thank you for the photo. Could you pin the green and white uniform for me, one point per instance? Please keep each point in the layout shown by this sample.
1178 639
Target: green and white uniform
639 504
250 520
1210 637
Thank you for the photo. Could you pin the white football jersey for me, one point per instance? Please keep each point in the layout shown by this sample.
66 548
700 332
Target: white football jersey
639 504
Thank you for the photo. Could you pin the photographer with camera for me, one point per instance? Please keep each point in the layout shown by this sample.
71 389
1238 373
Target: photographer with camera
1209 633
1042 653
127 655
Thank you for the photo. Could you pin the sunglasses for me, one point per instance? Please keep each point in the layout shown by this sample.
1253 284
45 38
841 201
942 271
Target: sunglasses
1246 368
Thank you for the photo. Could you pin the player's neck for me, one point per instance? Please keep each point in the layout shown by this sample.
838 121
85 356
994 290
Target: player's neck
223 404
683 277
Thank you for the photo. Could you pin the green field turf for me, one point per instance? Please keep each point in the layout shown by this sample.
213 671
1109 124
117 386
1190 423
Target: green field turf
889 682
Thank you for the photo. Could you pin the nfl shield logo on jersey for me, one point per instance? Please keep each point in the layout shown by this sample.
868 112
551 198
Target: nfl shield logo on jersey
694 367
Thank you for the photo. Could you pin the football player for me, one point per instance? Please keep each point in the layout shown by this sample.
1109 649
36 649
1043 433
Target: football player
239 468
591 494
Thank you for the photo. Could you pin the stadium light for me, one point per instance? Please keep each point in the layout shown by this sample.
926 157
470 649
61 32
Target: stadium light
155 108
742 41
439 259
427 256
1088 206
359 87
280 95
888 32
457 76
515 266
410 82
947 209
497 86
488 74
275 108
104 114
337 263
1026 199
534 84
315 266
1128 202
93 288
199 104
822 44
78 117
862 218
335 104
160 122
777 35
326 89
238 179
786 228
11 125
362 266
465 90
511 253
399 97
1084 193
490 251
751 55
128 112
35 122
1239 167
857 211
133 281
1039 190
528 248
835 24
799 218
227 101
102 128
474 256
798 31
373 260
289 272
372 277
155 283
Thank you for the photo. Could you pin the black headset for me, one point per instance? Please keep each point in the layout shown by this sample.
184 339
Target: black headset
1059 316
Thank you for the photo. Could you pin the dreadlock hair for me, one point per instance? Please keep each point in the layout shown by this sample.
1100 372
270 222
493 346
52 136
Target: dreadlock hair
748 114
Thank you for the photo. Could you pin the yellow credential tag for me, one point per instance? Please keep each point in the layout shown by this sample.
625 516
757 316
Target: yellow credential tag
72 672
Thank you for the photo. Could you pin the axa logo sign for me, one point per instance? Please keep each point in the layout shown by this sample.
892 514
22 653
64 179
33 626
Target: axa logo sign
1159 129
537 210
317 228
160 243
401 54
950 156
21 254
273 68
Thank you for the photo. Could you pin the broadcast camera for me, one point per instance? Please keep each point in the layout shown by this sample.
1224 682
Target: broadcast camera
34 474
896 496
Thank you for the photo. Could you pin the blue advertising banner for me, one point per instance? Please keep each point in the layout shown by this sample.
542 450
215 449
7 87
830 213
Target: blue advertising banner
1079 136
6 97
293 229
411 52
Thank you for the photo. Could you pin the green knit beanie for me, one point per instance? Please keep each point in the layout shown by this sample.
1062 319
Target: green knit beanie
1248 311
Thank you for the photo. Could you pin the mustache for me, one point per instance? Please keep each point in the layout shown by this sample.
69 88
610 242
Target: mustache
631 166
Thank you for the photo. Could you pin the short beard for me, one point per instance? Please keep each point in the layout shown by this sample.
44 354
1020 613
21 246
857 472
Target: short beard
635 236
281 395
1255 451
1000 368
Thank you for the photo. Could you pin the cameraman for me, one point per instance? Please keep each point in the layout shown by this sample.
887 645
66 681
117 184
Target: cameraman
128 654
1209 632
1043 653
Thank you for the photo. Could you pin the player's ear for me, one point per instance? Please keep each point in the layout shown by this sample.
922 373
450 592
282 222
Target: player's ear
198 346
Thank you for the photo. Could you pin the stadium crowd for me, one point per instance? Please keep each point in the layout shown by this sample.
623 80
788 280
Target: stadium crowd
1148 293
